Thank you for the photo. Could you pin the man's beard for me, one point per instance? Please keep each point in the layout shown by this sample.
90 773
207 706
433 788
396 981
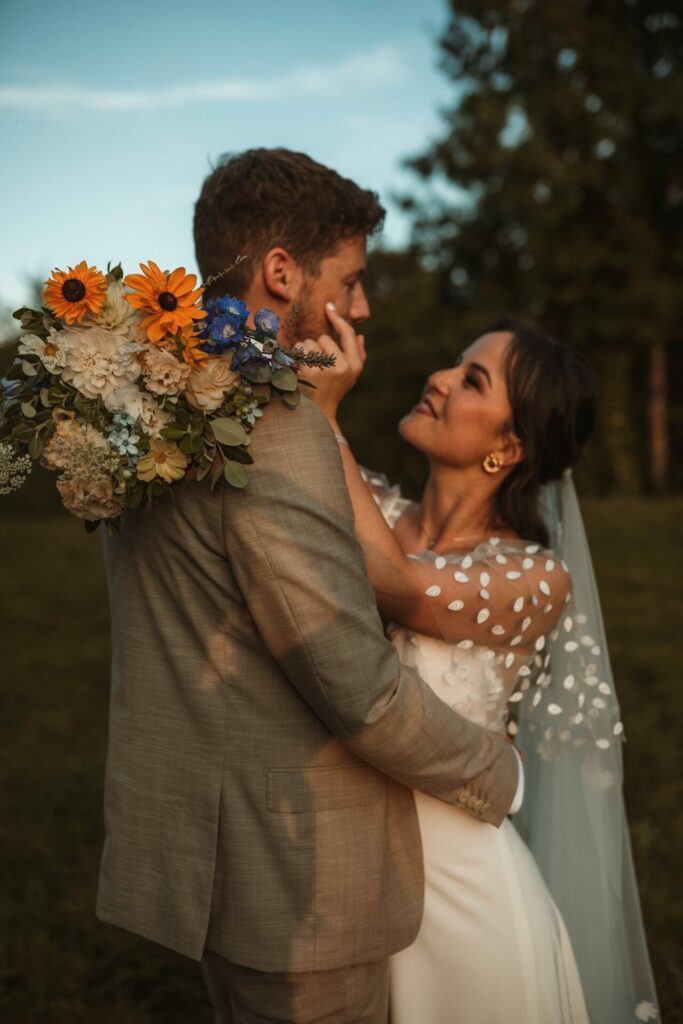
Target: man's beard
306 320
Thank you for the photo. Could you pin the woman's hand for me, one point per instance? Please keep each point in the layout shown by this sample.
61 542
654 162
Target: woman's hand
334 382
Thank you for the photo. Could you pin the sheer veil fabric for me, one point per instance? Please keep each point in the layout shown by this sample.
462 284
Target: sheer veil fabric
566 721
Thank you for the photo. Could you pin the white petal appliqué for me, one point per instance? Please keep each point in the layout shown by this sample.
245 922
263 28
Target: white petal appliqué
433 591
465 645
544 588
528 563
456 606
646 1011
460 577
484 595
554 709
549 565
518 605
602 744
484 579
509 659
570 646
466 562
440 562
569 682
512 575
498 631
483 615
515 698
501 559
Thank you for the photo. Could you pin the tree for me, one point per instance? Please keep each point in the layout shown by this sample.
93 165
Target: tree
566 139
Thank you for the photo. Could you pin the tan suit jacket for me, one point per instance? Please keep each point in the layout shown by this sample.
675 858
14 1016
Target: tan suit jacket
264 738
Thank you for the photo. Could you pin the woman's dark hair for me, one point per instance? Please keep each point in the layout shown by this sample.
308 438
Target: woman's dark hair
552 391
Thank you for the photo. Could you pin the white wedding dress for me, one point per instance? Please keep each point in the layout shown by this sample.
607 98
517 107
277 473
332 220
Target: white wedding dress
492 947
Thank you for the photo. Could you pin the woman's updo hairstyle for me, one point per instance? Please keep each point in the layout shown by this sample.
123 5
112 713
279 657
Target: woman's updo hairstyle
552 392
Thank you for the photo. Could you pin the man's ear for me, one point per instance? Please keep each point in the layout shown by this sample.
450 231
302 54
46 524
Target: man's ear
282 275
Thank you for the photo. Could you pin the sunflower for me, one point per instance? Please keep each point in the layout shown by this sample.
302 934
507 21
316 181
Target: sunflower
168 300
164 460
73 293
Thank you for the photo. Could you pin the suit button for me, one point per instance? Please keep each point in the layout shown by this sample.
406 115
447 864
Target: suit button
472 803
463 796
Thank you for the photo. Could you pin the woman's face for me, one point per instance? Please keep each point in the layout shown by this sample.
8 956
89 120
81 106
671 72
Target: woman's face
463 410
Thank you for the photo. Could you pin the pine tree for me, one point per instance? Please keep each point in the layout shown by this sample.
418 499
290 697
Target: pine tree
565 142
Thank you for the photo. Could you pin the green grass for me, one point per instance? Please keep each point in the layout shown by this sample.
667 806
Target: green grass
58 963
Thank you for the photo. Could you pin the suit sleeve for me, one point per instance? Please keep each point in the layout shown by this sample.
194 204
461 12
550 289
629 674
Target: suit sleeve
290 540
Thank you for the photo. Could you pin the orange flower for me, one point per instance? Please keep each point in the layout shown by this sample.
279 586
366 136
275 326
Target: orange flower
191 352
169 300
73 293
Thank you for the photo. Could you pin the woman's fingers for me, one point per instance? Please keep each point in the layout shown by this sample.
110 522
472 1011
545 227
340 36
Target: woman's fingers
348 339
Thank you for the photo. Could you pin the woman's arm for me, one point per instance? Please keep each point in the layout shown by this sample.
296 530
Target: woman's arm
498 600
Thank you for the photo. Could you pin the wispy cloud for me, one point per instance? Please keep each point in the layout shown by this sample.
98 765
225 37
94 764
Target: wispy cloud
377 67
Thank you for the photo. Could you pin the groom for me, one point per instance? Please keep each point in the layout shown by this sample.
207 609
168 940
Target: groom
264 739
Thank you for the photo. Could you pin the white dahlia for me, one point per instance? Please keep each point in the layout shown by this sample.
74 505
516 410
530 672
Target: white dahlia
98 361
118 315
142 408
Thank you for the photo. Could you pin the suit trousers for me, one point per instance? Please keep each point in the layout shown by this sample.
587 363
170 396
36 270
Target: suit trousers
358 994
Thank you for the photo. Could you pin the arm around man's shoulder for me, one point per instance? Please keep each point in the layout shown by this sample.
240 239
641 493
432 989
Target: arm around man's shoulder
290 540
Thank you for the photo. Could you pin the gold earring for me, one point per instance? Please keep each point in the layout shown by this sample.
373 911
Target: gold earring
492 464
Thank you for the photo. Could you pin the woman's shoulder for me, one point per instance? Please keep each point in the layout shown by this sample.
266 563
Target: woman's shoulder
388 496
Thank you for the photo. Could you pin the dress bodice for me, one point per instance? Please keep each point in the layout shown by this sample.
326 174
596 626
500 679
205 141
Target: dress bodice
494 608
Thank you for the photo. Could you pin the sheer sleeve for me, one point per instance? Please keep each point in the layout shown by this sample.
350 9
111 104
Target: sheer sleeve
501 595
387 497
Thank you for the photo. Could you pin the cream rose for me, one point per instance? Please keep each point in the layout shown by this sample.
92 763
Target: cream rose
207 384
163 374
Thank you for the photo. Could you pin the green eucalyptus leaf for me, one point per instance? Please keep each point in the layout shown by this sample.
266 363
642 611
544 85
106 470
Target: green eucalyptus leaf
136 496
229 431
285 380
45 397
28 368
204 470
217 473
235 474
241 455
291 399
172 433
261 375
35 446
28 410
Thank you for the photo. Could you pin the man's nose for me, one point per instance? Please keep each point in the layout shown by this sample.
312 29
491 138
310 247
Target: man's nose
360 307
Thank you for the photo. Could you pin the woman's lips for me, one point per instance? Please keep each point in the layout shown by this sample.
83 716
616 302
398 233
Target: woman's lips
425 408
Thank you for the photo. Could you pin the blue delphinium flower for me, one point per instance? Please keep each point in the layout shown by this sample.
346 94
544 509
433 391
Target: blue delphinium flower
223 328
267 322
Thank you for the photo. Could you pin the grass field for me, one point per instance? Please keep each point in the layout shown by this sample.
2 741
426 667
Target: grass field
58 964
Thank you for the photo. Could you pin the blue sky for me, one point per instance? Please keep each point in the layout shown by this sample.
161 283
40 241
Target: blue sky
110 114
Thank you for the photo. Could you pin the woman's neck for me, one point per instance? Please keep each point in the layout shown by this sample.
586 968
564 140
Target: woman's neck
456 507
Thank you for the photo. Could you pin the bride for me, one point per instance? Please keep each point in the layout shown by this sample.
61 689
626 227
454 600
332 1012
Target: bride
487 589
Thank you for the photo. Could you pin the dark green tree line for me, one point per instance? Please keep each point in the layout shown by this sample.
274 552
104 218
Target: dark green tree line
565 142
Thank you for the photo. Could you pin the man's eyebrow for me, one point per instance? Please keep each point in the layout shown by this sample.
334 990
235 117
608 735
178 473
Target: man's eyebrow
355 273
482 369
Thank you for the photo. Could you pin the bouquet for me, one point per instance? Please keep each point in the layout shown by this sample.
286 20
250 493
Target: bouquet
124 385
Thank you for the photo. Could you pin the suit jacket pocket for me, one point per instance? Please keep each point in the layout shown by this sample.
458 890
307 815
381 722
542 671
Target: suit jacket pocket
328 788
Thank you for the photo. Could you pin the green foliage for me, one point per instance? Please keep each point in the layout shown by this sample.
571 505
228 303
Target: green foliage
565 146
